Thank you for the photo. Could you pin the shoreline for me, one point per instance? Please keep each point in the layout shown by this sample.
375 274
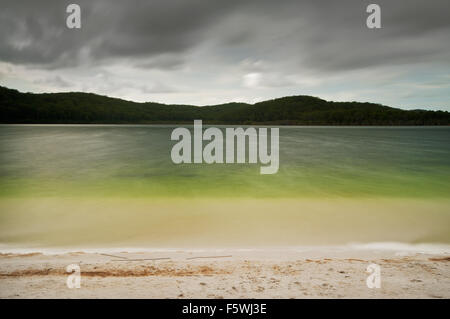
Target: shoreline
407 271
212 223
396 248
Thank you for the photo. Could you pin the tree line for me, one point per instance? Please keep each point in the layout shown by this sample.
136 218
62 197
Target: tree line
88 108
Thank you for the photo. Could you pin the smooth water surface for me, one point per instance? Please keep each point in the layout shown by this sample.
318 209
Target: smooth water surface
116 186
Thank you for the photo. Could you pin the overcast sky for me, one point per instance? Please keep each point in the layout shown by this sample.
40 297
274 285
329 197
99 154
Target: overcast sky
213 51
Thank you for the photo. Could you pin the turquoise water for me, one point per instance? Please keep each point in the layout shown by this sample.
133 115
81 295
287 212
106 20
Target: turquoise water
116 186
130 161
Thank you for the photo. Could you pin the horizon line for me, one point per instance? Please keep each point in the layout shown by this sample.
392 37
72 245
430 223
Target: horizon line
225 103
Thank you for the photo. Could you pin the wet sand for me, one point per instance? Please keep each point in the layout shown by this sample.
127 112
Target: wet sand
214 222
328 272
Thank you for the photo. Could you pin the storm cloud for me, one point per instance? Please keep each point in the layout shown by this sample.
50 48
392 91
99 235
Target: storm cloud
204 51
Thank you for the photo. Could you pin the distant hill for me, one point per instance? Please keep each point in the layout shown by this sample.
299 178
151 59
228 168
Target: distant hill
17 107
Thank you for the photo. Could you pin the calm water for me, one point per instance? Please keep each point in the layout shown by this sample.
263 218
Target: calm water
117 186
128 161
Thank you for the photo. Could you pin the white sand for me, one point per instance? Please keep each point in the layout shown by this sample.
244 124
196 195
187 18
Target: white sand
263 273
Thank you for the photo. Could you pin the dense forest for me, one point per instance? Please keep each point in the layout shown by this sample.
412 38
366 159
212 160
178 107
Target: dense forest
17 107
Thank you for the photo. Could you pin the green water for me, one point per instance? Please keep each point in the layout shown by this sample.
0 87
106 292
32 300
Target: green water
116 186
130 161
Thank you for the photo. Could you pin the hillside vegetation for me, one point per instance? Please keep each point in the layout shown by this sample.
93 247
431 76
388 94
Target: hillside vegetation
17 107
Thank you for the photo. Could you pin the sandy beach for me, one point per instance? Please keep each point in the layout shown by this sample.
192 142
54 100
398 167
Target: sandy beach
324 272
247 150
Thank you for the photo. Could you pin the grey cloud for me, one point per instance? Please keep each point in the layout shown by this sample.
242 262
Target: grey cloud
331 36
157 87
323 36
106 82
412 32
55 81
34 32
163 62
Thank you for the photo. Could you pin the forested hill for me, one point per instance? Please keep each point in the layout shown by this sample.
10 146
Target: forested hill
17 107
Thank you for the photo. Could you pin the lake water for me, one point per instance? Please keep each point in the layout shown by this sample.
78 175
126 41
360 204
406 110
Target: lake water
78 185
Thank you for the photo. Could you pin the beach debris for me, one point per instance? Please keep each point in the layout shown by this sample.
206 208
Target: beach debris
114 256
142 259
440 259
197 257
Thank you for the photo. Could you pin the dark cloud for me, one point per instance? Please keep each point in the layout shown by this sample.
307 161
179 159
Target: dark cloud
35 32
162 62
412 32
54 81
325 36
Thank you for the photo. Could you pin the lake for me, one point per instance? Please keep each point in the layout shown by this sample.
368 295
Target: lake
109 185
